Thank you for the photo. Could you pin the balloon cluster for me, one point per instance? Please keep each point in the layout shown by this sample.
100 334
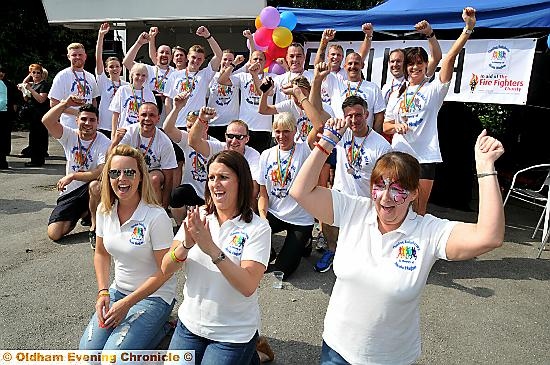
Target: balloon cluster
273 35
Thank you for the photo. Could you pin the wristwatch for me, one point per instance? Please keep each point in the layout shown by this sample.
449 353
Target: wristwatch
219 259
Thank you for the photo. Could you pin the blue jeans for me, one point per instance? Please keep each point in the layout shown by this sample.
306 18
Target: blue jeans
142 329
331 357
209 352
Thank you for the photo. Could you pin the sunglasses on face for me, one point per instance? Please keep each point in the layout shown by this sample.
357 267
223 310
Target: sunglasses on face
115 174
240 137
36 72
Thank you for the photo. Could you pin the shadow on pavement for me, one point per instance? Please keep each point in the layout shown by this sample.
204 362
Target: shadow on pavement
18 206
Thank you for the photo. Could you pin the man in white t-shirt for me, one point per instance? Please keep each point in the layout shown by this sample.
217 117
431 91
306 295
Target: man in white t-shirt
157 74
336 52
249 85
356 153
74 81
295 59
236 138
85 151
156 148
192 78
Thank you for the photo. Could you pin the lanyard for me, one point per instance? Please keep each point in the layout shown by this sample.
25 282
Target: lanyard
82 158
187 85
115 87
285 171
354 153
137 103
81 87
159 84
356 90
406 104
150 142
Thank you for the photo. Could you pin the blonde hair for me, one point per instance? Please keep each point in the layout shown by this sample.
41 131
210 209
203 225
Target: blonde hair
145 188
138 67
75 46
284 121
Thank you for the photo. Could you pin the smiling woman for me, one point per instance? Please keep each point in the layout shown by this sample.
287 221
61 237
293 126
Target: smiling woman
136 232
224 249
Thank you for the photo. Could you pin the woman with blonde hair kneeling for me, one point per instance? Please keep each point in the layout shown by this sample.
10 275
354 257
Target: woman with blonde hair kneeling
134 230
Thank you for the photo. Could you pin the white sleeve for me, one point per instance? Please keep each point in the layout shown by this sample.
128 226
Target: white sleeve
161 233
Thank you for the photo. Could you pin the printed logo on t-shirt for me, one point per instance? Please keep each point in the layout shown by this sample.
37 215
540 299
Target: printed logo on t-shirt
238 239
138 234
413 115
406 253
82 159
251 97
280 180
303 127
358 158
225 94
198 164
131 105
326 97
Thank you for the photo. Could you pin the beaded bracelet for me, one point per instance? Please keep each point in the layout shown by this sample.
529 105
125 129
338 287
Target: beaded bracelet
321 148
329 140
175 258
333 131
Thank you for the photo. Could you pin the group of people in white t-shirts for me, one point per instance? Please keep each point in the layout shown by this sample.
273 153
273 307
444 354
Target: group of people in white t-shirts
272 122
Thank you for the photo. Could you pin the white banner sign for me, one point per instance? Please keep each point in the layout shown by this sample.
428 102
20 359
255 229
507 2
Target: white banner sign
486 70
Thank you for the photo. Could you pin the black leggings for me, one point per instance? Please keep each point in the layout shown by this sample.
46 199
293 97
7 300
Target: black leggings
296 239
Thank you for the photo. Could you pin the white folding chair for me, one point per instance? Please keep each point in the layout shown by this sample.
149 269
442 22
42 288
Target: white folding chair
537 197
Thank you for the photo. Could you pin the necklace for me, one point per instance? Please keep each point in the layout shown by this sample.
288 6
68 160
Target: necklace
115 87
354 153
285 169
81 156
137 103
145 156
406 104
349 93
188 86
159 84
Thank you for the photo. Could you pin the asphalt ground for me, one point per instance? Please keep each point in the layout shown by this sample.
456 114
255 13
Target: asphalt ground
491 310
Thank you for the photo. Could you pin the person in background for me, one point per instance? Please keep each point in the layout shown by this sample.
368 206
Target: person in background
9 98
108 83
135 232
35 93
224 250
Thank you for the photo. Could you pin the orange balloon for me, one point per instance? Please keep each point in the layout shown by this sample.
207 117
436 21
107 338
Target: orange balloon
258 22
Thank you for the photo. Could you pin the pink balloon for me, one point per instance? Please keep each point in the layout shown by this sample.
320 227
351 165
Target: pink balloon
256 45
262 37
270 17
276 69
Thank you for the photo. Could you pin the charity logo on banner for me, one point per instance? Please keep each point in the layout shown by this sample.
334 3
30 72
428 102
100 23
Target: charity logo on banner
486 70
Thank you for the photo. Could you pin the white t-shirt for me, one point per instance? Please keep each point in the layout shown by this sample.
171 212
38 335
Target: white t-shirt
107 89
194 166
158 78
195 82
379 280
421 140
127 101
286 78
80 156
65 83
248 108
225 99
159 154
303 124
132 245
281 204
213 308
369 91
391 86
354 179
327 92
250 154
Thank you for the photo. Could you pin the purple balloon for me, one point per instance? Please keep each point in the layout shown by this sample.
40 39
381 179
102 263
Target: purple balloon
270 18
276 69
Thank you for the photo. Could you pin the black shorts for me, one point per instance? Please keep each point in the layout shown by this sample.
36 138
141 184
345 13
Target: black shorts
71 206
427 171
331 159
183 195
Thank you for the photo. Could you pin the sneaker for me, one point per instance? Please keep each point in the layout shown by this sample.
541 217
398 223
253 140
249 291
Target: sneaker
325 262
91 236
321 243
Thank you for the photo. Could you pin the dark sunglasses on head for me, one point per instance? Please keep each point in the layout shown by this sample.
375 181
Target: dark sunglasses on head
237 136
129 173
